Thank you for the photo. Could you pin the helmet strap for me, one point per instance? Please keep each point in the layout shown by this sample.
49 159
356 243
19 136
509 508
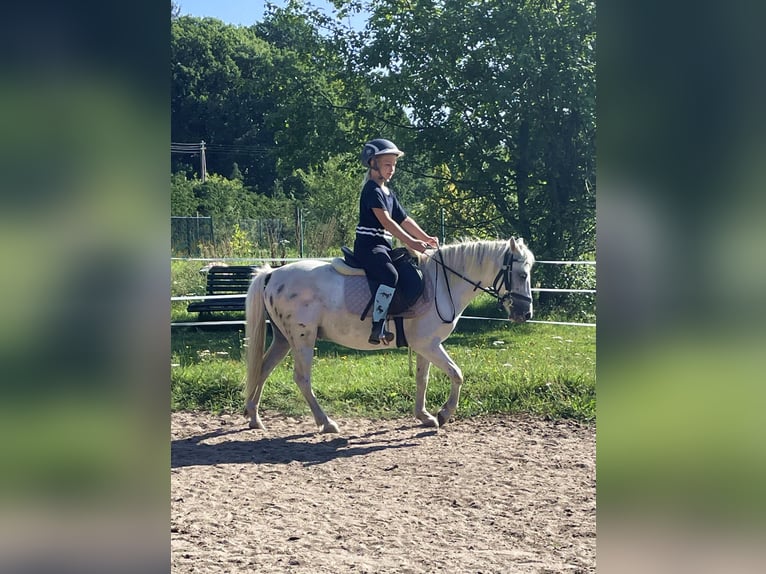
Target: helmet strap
374 167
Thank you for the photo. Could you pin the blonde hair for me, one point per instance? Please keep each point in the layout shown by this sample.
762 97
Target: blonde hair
366 178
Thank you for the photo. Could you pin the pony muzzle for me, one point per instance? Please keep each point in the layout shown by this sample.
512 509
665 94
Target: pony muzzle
519 307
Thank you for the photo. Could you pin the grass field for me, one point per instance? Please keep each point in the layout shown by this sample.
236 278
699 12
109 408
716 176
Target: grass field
541 369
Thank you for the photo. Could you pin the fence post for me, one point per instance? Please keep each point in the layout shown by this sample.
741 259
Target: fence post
299 228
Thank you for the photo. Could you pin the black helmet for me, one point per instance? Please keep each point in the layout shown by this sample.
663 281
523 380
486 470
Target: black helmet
378 147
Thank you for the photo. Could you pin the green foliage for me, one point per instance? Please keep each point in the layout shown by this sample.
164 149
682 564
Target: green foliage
216 70
265 97
332 192
236 174
503 95
463 213
241 246
225 199
579 307
186 278
183 200
494 103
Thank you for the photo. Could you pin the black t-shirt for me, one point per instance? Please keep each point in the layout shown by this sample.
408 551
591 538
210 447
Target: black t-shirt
370 232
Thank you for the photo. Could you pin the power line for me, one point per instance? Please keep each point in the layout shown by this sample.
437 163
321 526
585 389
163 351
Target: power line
224 148
193 149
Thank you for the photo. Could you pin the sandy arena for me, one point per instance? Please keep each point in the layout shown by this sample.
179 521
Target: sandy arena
497 494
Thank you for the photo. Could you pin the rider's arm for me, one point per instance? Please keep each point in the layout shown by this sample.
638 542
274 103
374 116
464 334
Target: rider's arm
398 231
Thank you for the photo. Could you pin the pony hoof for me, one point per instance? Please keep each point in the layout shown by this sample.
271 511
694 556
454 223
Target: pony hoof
329 426
256 424
442 418
429 421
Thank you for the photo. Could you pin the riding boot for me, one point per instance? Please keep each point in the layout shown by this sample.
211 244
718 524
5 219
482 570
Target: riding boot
379 332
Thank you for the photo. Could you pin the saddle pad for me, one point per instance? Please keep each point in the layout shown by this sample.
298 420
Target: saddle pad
356 294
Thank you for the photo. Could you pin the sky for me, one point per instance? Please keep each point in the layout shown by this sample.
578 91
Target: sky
246 12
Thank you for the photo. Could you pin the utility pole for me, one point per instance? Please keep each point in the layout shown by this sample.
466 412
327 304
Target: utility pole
203 167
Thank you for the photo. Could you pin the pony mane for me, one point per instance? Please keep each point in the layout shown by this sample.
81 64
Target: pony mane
471 254
468 255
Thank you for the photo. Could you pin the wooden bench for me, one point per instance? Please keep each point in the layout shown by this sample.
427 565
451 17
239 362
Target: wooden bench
224 280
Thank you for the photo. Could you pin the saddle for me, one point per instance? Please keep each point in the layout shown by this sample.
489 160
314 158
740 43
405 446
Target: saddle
408 290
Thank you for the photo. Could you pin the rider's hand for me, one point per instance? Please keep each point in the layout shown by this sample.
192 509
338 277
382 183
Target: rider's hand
419 246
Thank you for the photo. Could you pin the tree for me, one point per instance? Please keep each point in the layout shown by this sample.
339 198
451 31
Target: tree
219 95
268 97
235 173
224 199
183 200
502 95
332 204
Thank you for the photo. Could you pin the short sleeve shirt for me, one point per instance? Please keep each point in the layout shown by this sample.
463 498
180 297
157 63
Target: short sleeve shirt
370 231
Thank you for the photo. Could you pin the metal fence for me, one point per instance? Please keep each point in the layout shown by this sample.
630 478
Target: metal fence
188 234
203 236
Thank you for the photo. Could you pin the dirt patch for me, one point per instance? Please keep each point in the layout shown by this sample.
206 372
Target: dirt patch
489 494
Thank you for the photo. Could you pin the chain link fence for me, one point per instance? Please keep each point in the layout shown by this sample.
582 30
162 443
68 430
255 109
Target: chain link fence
205 237
188 234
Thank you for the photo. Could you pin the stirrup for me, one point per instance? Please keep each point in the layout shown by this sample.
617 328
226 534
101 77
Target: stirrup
380 333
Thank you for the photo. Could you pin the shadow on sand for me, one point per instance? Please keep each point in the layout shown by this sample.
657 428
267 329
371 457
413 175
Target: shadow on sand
307 448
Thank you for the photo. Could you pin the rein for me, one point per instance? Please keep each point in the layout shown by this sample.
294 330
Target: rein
502 279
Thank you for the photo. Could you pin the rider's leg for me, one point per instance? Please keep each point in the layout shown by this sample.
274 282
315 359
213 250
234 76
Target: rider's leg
386 275
380 307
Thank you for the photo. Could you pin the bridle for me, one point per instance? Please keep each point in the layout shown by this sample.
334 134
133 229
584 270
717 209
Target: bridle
503 280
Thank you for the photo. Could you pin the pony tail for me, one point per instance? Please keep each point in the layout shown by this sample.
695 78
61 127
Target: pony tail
366 178
255 330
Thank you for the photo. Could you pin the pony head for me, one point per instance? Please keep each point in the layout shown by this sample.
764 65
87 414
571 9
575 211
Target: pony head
517 302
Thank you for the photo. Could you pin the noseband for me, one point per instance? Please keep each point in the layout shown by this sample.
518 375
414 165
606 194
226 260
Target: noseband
502 280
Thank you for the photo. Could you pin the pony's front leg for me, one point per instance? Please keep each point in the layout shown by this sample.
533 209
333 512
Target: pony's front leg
443 361
302 376
421 377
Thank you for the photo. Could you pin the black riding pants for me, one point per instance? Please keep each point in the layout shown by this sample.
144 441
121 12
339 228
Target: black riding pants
377 264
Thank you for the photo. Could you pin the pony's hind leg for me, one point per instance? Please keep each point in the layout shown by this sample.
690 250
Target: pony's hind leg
277 350
303 357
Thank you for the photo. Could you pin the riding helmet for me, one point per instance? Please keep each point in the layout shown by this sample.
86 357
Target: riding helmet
378 147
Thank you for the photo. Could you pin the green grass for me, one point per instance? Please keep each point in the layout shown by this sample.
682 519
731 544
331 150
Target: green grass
186 280
545 370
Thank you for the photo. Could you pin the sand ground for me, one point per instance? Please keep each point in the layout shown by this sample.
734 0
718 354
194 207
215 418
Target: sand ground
495 494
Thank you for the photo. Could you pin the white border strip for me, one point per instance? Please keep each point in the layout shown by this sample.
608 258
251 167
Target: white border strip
214 323
196 297
531 321
243 295
281 259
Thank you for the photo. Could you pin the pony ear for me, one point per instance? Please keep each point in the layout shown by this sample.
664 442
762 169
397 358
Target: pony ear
517 245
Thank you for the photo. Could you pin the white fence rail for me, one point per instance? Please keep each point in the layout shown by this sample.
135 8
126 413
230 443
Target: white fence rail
244 260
